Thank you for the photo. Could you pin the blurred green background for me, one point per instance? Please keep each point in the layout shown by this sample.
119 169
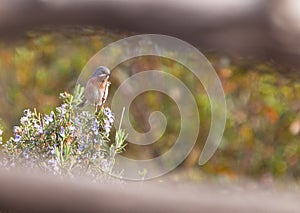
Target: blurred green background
261 138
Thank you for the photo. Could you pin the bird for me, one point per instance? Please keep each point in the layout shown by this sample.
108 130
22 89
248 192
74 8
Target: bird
96 89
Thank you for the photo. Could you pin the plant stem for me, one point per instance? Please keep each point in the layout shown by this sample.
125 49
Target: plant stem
121 120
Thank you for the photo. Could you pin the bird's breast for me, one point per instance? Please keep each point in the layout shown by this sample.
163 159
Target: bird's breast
102 84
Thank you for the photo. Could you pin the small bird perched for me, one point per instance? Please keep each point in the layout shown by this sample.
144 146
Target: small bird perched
96 89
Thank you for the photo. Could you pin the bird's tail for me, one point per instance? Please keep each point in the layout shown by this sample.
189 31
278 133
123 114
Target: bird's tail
82 104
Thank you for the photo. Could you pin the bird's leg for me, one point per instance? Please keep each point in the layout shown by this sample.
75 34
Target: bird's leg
97 109
103 100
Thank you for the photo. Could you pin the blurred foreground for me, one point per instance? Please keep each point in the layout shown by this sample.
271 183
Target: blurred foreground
21 192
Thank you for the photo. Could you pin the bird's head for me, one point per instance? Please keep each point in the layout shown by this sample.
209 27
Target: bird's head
101 72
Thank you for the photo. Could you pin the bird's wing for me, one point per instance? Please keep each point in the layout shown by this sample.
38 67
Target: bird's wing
92 91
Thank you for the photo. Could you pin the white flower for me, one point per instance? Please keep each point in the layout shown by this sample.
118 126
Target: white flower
39 128
24 120
17 138
17 129
48 119
62 132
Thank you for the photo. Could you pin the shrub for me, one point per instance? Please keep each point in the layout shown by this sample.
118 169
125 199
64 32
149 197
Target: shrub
66 141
